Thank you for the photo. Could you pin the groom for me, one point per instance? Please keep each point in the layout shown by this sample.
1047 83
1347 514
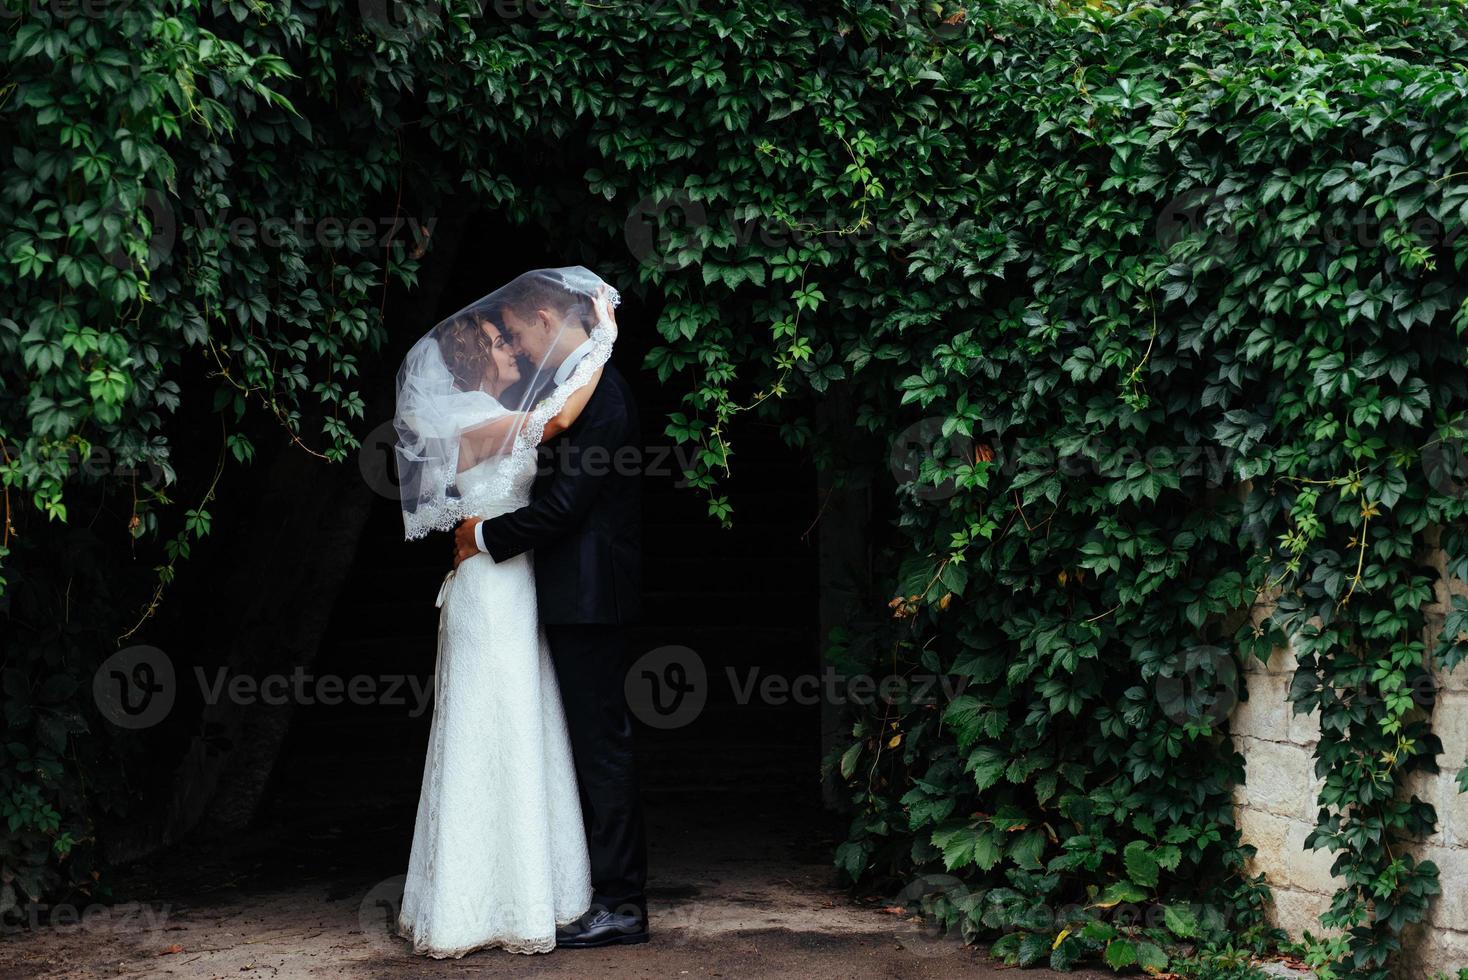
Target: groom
584 525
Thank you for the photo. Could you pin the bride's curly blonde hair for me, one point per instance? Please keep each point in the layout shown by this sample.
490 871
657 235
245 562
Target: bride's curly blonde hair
468 350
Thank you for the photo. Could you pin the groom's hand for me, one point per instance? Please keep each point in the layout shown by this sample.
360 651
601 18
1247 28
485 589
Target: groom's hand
464 544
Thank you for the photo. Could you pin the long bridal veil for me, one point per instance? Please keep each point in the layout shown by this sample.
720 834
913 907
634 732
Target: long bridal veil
485 380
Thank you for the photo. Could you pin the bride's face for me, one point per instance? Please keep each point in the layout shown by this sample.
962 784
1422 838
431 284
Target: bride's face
507 366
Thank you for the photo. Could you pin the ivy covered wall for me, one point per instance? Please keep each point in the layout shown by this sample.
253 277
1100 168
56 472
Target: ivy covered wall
1177 287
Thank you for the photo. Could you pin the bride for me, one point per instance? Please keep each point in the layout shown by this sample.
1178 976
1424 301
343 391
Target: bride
499 855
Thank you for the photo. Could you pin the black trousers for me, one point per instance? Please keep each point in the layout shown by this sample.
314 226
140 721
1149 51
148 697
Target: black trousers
591 670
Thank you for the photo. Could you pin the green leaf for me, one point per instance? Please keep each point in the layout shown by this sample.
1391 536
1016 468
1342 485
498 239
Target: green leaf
1033 948
1141 866
1151 957
1121 891
987 764
1120 953
1180 920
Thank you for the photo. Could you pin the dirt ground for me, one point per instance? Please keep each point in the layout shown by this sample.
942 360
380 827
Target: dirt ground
728 898
741 881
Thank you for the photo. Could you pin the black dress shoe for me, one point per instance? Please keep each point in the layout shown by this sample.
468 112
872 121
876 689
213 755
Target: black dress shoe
602 928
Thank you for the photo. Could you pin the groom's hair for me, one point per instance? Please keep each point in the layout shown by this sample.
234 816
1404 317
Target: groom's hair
532 292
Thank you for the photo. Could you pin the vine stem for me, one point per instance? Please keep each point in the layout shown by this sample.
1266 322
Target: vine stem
270 403
723 415
1135 373
1367 509
1360 557
9 529
861 220
157 599
716 434
397 211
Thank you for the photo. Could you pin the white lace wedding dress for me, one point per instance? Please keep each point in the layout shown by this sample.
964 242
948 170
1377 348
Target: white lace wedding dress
499 851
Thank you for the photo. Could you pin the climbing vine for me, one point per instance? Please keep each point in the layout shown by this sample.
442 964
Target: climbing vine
1173 293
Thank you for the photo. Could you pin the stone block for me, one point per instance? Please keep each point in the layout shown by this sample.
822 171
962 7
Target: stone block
1435 789
1296 911
1280 778
1452 682
1450 909
1304 729
1452 813
1450 723
1269 833
1308 870
1427 953
1266 714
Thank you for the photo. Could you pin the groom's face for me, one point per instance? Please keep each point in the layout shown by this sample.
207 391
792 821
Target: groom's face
531 337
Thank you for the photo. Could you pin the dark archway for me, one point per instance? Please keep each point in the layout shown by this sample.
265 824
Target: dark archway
741 775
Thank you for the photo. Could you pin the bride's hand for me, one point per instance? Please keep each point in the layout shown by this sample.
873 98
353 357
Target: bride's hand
604 310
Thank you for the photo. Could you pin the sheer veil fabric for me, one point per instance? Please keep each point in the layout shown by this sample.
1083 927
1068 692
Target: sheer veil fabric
499 856
496 368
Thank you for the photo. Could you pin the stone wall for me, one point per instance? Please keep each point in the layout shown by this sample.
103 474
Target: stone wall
1276 808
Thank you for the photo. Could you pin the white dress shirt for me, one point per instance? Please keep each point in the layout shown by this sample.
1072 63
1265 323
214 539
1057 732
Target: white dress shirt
563 371
572 359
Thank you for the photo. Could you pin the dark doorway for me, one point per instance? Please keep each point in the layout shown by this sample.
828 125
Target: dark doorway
741 604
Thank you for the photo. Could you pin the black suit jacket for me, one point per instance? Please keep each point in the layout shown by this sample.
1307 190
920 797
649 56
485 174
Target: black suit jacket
584 519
